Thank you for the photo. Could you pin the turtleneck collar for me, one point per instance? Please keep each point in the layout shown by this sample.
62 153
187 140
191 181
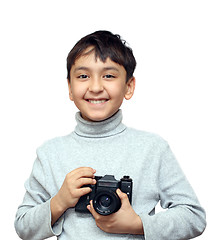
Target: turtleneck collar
105 128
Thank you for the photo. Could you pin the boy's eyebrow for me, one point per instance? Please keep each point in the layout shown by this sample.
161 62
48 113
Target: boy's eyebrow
111 68
88 69
80 68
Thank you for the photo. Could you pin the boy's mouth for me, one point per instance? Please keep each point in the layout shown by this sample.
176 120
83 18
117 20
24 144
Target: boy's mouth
97 101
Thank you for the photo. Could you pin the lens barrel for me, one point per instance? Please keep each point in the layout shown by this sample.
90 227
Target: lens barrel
106 202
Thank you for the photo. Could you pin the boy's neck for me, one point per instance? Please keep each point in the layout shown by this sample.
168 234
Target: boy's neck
105 128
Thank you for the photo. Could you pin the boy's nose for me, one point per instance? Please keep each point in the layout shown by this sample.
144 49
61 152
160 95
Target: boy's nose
96 85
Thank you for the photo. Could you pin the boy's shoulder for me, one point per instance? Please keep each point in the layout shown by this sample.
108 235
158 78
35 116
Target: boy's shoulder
53 144
146 137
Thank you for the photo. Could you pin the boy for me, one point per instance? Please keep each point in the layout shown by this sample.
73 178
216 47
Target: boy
100 75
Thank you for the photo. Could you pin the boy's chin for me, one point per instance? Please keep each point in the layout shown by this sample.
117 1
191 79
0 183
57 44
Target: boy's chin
94 118
97 118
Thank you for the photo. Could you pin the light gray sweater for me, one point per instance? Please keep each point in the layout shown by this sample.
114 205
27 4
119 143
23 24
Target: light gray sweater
111 148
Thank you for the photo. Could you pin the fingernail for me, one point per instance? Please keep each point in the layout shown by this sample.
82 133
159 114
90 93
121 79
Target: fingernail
118 191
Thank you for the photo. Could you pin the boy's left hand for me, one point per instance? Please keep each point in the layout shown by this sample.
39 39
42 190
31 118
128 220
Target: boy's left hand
124 221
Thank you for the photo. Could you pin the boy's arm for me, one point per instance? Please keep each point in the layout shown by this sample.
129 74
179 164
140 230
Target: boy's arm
33 217
184 217
40 207
71 190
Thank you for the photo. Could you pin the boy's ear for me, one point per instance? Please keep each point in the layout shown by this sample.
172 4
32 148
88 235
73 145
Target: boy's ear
130 88
70 90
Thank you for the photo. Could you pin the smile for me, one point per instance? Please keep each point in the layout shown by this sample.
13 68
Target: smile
97 101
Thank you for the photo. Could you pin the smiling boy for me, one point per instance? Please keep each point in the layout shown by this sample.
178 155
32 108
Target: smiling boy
98 88
100 76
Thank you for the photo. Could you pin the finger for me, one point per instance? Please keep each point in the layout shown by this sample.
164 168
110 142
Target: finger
92 210
84 181
81 191
83 172
77 193
86 169
123 197
80 173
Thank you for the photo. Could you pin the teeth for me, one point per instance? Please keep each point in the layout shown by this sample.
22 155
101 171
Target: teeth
97 101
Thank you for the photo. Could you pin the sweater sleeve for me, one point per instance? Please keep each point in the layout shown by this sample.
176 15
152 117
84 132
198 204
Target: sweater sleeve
184 217
33 218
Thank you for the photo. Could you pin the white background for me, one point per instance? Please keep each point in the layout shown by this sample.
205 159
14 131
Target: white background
176 47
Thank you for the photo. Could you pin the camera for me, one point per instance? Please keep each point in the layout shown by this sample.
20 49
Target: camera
104 196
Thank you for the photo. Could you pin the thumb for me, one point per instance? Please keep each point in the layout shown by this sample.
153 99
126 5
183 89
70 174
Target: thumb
123 197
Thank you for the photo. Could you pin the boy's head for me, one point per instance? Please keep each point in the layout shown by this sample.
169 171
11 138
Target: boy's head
100 75
105 45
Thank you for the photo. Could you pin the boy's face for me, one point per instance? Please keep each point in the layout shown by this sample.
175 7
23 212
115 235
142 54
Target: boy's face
98 88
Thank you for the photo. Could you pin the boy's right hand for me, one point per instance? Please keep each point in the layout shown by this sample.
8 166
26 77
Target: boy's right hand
71 190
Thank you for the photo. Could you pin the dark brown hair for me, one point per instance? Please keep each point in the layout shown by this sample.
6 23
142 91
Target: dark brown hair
105 45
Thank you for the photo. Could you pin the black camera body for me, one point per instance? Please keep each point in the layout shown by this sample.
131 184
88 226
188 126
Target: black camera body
104 196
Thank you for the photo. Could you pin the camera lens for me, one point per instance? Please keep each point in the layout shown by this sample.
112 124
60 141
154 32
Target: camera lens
106 202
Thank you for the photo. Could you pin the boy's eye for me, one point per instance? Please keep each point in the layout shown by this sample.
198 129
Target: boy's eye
83 76
109 76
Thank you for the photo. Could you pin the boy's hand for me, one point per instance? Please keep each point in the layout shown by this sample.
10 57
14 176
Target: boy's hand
123 221
71 190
